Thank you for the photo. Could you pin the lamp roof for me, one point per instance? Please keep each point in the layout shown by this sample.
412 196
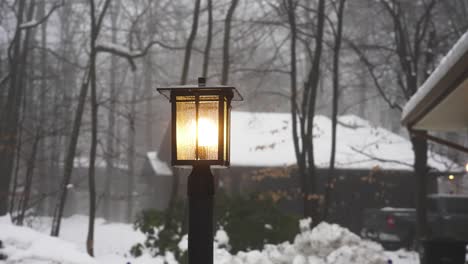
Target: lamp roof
216 89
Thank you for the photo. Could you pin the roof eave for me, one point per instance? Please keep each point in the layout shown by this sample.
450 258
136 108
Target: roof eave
441 88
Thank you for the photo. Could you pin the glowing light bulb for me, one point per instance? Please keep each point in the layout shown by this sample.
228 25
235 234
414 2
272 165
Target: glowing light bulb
207 136
207 133
451 177
466 167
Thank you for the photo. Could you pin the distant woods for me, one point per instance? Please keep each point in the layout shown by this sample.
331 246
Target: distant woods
78 79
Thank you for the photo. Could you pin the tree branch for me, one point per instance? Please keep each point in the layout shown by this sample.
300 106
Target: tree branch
4 79
35 23
124 52
380 159
370 69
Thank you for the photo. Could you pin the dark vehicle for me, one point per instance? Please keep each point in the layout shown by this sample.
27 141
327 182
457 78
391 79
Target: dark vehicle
395 227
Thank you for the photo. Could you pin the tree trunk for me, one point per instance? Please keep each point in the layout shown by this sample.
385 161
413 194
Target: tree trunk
41 169
70 157
293 103
9 116
24 202
310 89
95 27
131 153
227 38
92 155
190 41
110 140
335 94
209 37
69 160
183 80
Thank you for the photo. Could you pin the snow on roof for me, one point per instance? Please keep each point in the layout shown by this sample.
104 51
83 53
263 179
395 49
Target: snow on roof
460 48
159 167
265 139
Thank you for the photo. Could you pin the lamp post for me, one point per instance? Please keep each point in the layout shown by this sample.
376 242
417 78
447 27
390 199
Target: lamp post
200 131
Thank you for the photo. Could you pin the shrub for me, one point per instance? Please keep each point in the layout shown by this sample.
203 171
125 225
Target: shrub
249 222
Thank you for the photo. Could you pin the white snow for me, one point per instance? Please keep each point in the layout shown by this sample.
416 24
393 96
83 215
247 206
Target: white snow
304 224
265 139
183 244
325 244
109 237
83 162
116 47
28 24
24 245
221 238
452 57
161 168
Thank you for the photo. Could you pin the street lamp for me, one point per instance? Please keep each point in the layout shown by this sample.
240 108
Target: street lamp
200 122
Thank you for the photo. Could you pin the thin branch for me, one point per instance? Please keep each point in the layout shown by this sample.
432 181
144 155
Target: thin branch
370 68
101 18
35 23
129 55
380 159
4 79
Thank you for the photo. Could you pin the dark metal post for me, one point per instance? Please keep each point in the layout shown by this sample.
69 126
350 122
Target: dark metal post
200 190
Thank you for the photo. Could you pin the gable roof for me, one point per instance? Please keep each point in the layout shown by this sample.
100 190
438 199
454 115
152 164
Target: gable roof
265 140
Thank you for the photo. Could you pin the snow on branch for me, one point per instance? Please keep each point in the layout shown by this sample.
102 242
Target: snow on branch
34 23
123 51
379 159
4 79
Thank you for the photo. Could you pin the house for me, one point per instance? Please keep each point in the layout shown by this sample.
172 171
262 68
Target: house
441 105
373 165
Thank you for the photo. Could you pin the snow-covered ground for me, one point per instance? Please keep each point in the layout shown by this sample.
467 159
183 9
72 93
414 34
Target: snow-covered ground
325 244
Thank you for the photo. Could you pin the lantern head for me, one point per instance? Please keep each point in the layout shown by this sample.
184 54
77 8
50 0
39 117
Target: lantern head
200 123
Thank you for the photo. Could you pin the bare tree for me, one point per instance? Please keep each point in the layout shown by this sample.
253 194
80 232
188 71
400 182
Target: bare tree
183 80
111 135
411 45
9 116
339 10
303 111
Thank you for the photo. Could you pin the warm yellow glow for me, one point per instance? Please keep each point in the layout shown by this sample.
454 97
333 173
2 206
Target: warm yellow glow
207 133
207 137
466 167
197 129
451 177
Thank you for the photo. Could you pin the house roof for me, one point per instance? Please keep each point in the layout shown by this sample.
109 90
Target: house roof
441 102
159 167
265 140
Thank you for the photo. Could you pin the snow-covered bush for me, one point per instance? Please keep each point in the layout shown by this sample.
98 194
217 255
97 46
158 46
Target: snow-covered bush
325 244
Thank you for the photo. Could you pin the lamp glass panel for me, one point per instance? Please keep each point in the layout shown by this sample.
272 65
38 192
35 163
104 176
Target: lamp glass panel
225 148
186 136
208 127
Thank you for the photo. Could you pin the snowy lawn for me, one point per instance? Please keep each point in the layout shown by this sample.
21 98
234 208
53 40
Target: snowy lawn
327 243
